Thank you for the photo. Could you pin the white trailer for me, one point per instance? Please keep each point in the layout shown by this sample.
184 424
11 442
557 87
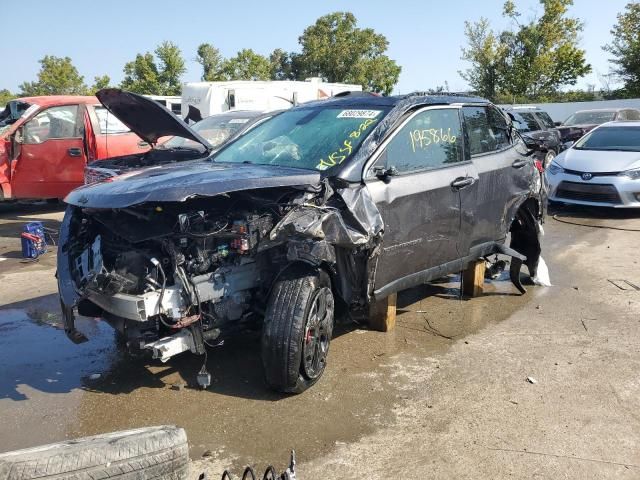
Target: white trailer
208 98
171 103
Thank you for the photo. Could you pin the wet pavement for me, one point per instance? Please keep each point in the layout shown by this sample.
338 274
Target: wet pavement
51 389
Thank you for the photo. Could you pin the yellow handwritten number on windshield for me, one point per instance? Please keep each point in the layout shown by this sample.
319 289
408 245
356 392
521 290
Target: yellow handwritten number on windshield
340 155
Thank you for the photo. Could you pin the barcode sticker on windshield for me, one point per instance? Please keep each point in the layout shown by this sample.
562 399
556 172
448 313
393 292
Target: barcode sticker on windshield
358 113
239 120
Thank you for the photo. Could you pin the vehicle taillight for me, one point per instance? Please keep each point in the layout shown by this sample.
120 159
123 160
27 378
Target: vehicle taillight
538 165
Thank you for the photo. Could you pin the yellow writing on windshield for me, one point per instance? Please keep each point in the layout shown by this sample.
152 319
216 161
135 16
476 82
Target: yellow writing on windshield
421 139
341 154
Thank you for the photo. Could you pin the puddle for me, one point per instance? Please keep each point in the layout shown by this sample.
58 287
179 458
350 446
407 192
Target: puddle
46 391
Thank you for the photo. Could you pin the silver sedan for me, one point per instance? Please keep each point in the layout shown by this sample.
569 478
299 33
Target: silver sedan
600 169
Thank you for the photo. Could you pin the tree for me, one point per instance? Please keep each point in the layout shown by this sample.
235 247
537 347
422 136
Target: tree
57 76
532 61
487 55
99 83
141 75
246 65
5 96
336 49
285 65
543 55
211 60
172 68
625 48
144 75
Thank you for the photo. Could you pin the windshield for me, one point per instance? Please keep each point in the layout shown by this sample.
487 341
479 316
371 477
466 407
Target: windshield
590 118
216 129
525 122
624 139
310 138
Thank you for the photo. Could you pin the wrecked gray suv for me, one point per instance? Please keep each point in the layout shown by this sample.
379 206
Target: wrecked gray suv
325 208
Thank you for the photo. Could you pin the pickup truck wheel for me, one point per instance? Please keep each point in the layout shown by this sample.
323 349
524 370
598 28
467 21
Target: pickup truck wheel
154 453
297 330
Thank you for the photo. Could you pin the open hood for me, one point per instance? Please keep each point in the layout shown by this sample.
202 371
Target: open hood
145 117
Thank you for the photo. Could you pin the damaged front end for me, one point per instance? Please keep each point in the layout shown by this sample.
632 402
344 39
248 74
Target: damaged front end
174 276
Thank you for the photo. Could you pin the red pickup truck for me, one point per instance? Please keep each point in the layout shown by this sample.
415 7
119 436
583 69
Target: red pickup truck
45 143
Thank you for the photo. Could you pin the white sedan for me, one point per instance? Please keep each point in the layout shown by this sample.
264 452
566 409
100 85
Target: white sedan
601 169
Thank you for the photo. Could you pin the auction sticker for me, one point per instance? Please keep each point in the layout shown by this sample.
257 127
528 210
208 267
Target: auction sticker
359 113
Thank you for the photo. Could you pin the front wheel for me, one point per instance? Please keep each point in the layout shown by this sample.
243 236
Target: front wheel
297 330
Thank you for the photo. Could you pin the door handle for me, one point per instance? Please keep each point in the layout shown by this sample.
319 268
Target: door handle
519 163
462 182
75 152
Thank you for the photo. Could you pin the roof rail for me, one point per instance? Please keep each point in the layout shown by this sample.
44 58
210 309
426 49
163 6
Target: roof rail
437 94
356 93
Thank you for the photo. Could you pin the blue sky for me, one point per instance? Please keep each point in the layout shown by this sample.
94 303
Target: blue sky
101 36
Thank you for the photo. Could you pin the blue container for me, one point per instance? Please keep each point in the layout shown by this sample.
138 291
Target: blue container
33 241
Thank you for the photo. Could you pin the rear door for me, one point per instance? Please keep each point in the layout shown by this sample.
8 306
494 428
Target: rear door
420 207
51 157
504 172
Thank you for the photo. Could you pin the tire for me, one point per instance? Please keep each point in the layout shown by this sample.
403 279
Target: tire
147 453
295 338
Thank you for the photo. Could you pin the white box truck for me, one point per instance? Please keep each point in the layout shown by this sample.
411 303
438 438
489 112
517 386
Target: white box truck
203 99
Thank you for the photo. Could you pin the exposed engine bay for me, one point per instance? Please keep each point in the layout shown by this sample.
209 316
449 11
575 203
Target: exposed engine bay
170 275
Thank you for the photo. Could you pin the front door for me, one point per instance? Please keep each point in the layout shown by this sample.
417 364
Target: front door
420 201
52 155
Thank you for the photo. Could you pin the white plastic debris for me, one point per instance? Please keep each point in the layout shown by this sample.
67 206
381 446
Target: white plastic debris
542 275
95 376
532 380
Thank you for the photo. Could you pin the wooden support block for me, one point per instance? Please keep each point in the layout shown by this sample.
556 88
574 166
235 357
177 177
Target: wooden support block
382 314
473 279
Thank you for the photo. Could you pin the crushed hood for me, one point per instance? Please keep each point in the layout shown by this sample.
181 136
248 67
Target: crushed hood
595 161
179 182
145 117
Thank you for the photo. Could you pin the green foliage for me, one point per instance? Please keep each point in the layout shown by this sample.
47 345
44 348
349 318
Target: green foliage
246 65
99 83
285 65
487 57
5 96
625 48
144 75
211 60
57 76
336 49
533 60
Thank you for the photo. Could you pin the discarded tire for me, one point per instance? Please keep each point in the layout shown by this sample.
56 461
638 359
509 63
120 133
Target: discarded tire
145 453
297 330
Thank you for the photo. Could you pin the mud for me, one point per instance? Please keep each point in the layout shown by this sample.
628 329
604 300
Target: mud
51 389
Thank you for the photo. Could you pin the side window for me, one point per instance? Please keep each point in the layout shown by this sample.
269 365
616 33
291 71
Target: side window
487 129
546 119
622 115
633 114
431 139
109 124
54 122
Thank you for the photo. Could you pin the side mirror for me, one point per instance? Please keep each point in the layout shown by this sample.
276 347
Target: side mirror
557 124
385 173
